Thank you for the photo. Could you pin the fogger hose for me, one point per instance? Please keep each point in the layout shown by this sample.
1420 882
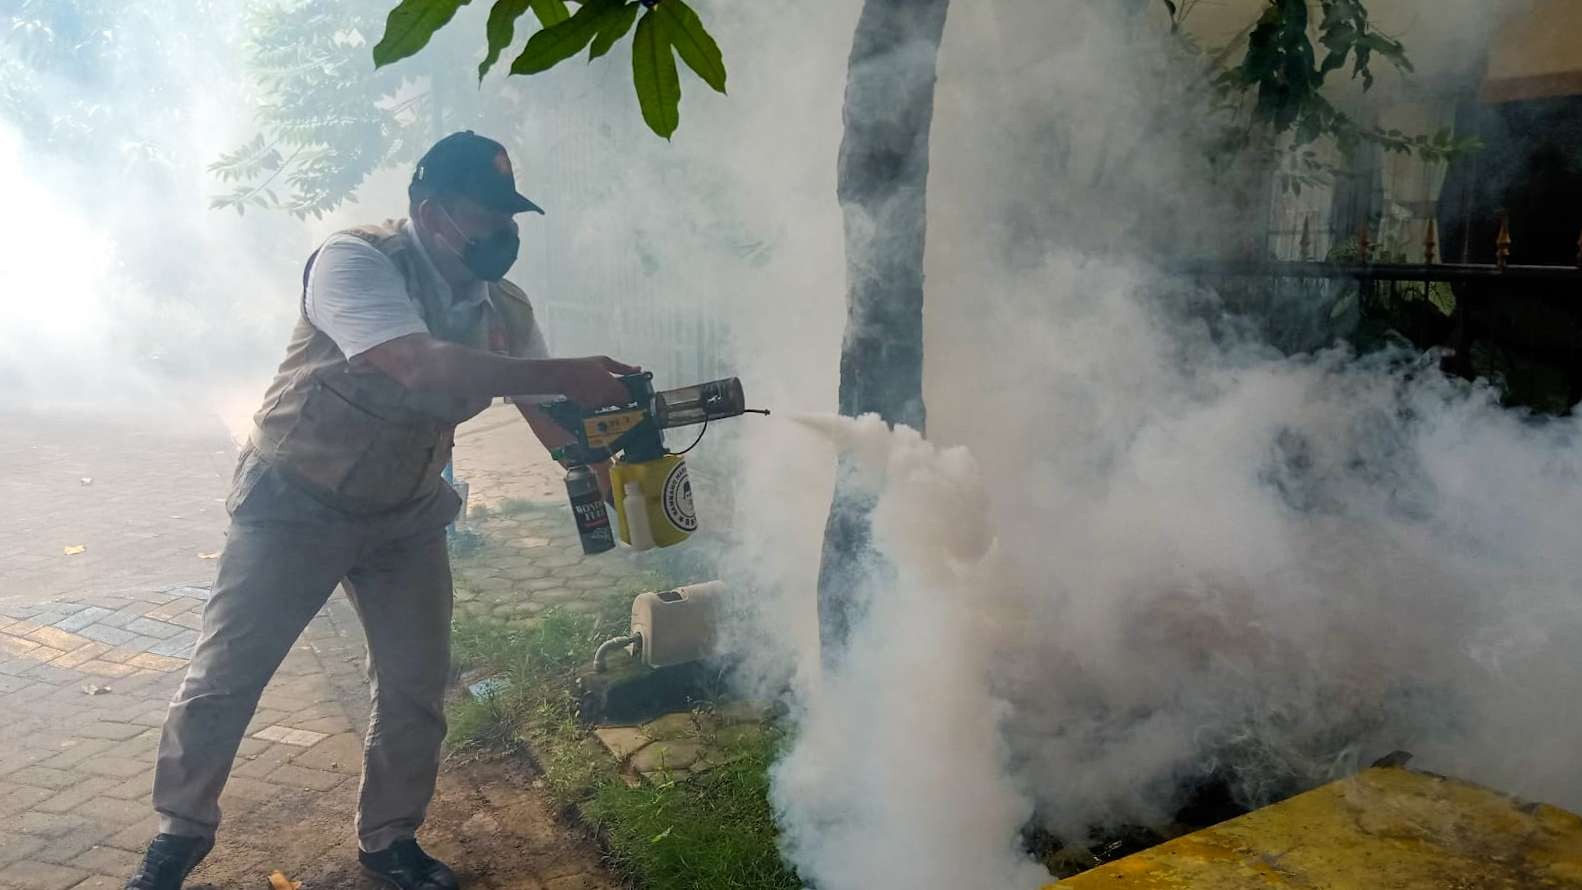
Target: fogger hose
608 646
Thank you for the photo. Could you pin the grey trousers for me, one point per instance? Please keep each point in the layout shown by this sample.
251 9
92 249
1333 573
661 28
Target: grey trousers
284 554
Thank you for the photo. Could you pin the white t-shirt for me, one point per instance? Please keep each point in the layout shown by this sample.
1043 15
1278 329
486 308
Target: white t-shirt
357 297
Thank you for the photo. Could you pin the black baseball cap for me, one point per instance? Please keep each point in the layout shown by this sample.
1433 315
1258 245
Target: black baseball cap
472 166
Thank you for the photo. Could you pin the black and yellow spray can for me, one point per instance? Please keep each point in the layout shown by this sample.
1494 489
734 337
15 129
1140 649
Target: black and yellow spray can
587 509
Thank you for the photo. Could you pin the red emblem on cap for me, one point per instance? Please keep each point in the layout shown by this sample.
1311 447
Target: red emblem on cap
503 164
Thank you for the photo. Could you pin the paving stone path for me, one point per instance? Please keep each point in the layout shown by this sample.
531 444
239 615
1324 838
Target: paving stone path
142 496
499 457
94 642
674 746
532 561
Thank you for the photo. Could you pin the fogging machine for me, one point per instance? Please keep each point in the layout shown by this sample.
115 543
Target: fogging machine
648 483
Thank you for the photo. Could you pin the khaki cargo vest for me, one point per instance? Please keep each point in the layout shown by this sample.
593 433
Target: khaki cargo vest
350 434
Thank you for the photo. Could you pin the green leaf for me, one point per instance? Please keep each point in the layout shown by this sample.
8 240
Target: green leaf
1340 37
693 43
615 27
557 43
550 12
1308 130
1343 305
409 27
654 76
501 29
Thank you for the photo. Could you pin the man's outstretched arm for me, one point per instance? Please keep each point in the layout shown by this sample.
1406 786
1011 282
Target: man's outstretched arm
552 434
424 363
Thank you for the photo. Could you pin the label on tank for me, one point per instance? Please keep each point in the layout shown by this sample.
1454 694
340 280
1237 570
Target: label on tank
677 500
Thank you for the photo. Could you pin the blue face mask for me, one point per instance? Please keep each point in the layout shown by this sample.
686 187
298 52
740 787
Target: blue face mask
486 258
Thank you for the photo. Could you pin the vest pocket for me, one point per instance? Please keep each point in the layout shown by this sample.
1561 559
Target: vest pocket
249 470
359 456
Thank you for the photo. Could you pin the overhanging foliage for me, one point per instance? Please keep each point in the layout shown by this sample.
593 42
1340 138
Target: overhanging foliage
667 28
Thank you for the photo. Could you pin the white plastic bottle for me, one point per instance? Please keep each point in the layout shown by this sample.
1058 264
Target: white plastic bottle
635 506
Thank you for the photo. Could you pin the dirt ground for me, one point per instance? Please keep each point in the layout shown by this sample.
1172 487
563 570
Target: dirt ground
487 821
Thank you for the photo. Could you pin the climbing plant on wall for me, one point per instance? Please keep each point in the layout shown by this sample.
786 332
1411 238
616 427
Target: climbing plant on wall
1275 97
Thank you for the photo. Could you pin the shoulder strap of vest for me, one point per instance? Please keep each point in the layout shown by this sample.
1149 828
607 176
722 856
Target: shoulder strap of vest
386 238
307 272
506 289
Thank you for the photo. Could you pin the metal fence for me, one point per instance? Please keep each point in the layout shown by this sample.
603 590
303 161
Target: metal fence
681 345
1530 314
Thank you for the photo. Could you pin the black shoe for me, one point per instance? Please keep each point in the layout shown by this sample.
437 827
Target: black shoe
169 860
405 866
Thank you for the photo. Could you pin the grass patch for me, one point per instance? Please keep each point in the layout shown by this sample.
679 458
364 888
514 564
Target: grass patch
715 829
537 664
482 723
575 764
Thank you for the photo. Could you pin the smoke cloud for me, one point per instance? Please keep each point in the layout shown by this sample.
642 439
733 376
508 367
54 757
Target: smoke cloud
1139 546
119 284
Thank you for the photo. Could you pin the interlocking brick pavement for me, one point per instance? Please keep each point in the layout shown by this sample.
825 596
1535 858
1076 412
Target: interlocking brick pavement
533 560
151 506
92 646
501 460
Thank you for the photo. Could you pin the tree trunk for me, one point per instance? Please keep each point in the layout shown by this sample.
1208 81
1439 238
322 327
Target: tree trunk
882 186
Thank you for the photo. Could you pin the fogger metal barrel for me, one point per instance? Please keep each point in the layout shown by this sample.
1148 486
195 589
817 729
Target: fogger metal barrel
687 405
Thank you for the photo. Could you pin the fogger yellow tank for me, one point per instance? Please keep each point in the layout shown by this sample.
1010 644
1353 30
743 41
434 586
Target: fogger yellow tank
652 494
666 502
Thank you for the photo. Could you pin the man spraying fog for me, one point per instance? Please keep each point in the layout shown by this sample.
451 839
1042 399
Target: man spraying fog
406 330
